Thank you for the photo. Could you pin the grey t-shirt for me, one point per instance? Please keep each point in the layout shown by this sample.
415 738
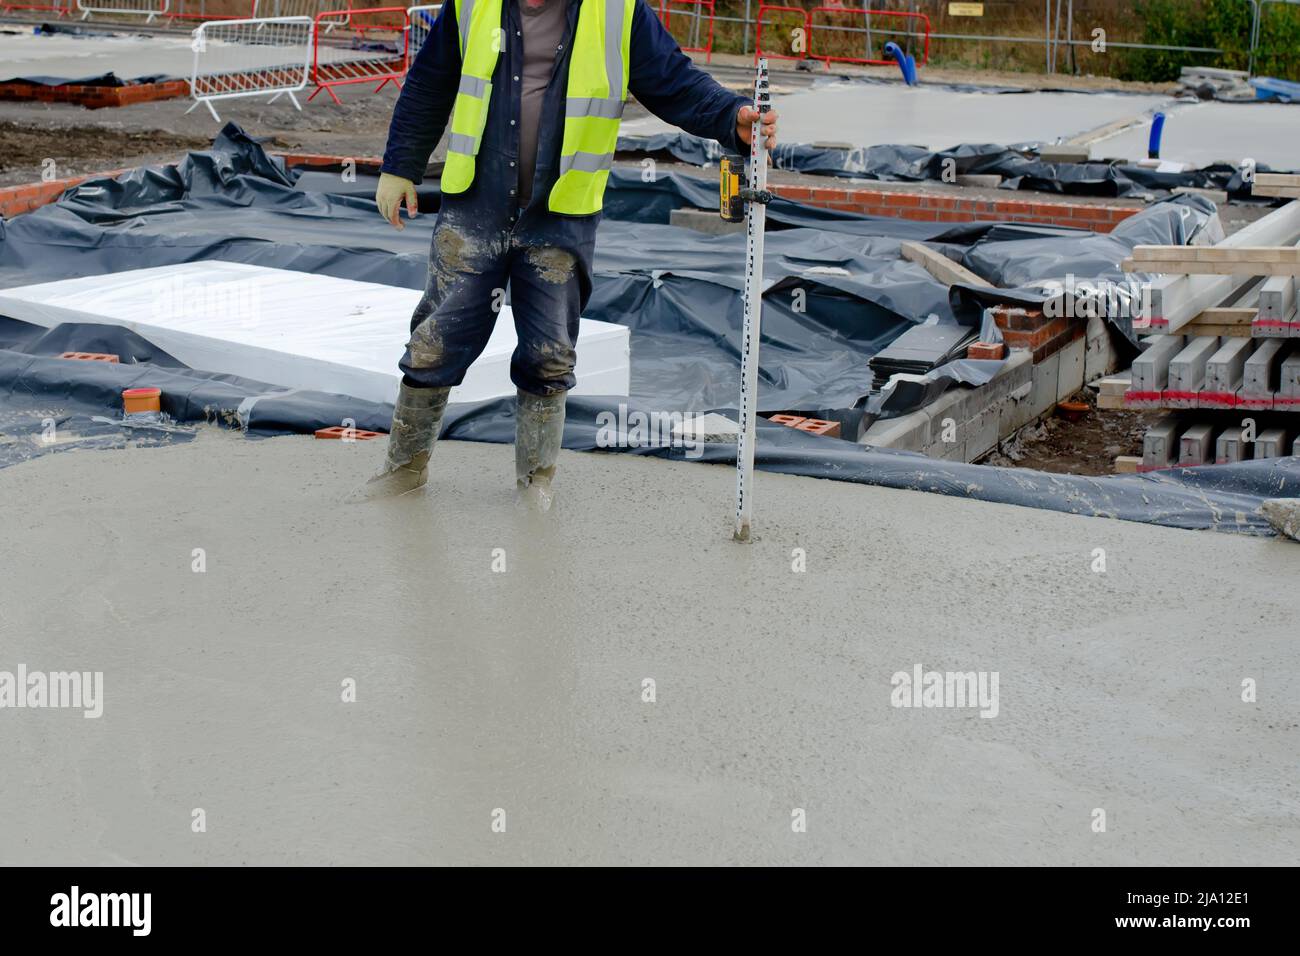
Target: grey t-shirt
543 29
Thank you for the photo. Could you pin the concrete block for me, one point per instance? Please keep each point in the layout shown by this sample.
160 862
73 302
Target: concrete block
1229 447
1100 357
909 432
1151 369
1287 396
1186 374
1063 154
982 433
709 223
1160 444
708 428
1271 443
1277 297
1262 375
1227 366
1015 411
1069 375
1196 446
980 180
1289 377
1044 380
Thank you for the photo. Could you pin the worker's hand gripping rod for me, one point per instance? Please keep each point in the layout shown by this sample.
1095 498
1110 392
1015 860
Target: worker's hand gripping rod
754 199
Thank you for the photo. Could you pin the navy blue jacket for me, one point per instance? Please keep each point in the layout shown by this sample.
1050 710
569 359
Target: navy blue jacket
661 77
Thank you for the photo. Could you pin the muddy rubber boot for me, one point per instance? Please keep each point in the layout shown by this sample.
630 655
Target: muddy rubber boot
417 419
539 431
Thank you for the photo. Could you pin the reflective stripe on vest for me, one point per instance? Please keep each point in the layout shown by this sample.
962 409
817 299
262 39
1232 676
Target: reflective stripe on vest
597 89
593 105
479 23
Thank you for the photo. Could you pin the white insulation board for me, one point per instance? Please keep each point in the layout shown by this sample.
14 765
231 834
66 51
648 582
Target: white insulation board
293 328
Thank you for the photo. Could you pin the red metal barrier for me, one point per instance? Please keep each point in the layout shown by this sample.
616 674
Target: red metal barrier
866 14
62 9
807 32
335 64
666 15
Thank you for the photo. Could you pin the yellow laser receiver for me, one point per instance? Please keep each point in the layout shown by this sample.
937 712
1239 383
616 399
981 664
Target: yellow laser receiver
733 192
730 206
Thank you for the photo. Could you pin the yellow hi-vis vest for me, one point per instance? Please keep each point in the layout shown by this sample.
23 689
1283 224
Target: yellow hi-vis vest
597 89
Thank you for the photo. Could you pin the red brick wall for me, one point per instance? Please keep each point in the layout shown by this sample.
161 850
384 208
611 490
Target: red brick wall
95 97
15 200
931 207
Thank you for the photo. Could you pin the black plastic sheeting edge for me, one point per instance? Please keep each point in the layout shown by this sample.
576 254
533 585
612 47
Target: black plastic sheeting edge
1018 166
115 225
1219 497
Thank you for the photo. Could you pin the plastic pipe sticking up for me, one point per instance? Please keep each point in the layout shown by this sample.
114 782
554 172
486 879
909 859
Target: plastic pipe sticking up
1157 129
906 64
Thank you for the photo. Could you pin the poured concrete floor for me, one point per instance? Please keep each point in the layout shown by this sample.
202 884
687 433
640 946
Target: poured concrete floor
521 690
867 114
1205 133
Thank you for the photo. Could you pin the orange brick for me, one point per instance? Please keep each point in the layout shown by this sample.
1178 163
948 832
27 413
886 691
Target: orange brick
790 420
338 431
985 350
819 427
90 357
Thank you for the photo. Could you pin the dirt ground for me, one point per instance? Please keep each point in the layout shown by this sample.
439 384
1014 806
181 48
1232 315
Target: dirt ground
77 150
1088 446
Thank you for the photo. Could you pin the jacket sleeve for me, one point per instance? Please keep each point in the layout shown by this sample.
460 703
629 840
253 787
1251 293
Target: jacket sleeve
670 86
428 94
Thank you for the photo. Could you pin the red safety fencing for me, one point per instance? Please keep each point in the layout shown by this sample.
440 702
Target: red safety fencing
923 24
804 15
360 45
62 7
666 14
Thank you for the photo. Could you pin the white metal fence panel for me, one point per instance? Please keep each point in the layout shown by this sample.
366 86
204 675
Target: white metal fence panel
250 58
420 20
299 8
146 8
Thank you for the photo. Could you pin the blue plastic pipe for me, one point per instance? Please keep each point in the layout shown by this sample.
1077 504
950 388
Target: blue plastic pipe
1157 128
906 64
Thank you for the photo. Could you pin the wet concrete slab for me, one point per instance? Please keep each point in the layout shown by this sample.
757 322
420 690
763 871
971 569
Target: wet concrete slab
867 114
1205 133
500 668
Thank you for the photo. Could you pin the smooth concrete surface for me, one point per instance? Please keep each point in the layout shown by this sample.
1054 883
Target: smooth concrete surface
141 56
1208 132
521 689
867 114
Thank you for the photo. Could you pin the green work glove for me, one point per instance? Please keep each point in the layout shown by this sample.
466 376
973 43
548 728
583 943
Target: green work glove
389 195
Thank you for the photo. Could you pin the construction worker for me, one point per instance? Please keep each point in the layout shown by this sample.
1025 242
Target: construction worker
535 90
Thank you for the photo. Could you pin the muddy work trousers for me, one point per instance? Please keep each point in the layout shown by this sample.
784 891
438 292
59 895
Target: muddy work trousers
476 254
